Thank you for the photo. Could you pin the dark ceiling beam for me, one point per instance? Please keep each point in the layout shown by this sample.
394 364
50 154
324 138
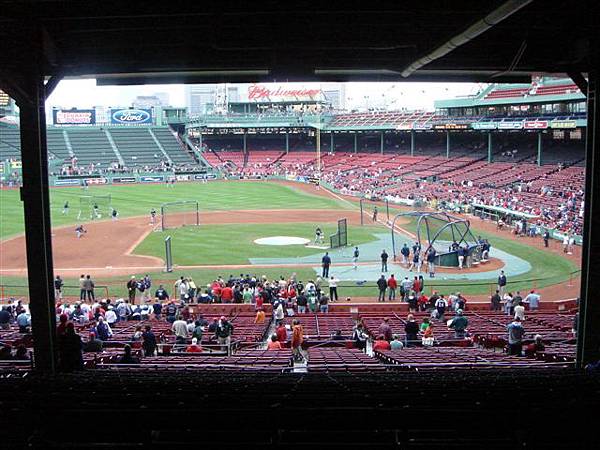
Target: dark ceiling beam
504 11
51 85
580 81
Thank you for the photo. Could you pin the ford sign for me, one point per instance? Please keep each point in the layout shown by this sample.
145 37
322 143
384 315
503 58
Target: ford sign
135 116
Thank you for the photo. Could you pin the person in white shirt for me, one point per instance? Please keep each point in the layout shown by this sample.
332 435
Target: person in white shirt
333 294
520 311
571 244
565 243
180 330
110 316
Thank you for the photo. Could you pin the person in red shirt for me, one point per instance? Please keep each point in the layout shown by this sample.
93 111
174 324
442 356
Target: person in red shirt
381 344
259 302
281 333
216 291
227 294
194 348
392 285
422 302
274 344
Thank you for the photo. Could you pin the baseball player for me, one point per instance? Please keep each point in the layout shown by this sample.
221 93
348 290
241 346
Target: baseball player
96 213
65 210
152 216
80 231
375 214
114 214
318 236
355 258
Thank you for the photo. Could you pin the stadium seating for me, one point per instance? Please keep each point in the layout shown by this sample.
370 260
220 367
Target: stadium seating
172 147
137 147
91 146
10 142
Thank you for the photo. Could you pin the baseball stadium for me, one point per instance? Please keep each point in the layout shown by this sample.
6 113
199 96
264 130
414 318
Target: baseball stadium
288 235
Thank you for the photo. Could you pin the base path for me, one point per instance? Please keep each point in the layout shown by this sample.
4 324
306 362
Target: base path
108 245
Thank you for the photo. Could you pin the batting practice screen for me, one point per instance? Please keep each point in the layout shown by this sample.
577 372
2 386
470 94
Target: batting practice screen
339 239
179 214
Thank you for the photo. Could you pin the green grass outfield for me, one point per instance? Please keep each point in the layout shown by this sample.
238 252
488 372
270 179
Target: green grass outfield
139 199
233 243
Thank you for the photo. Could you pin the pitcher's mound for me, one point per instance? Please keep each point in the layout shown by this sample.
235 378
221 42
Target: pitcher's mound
281 240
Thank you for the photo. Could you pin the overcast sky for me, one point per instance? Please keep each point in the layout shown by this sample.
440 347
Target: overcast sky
85 94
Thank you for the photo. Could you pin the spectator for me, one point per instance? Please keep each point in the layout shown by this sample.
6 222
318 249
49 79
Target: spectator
180 330
62 325
111 316
428 339
411 329
515 337
333 293
396 343
131 289
326 262
384 261
5 318
223 333
385 329
148 341
520 311
381 344
360 337
70 350
440 306
171 312
279 314
495 301
508 304
260 316
21 354
281 333
194 347
297 340
337 336
392 286
382 285
103 330
459 324
6 353
323 304
24 321
501 284
58 285
161 294
537 346
137 334
301 301
274 343
93 345
533 299
88 284
127 357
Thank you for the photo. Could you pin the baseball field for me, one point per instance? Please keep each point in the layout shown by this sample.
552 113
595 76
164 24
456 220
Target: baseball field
233 215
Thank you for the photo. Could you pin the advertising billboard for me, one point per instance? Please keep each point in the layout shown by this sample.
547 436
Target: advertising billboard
510 125
563 124
484 125
74 116
535 124
130 116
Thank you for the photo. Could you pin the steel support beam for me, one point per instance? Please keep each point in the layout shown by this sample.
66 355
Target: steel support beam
412 143
588 337
490 157
447 145
539 148
36 205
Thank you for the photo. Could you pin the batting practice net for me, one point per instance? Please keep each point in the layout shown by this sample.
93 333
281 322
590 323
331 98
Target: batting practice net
179 214
339 239
94 206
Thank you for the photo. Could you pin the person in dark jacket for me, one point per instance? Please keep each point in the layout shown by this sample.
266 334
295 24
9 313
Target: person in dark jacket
382 285
495 301
411 328
70 350
127 358
148 341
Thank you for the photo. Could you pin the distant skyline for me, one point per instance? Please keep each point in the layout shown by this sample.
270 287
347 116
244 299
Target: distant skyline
409 95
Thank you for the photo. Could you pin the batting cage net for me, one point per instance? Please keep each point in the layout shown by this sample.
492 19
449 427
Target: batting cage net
94 206
339 239
179 214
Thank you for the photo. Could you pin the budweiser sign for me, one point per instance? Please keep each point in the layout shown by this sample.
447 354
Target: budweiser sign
257 92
